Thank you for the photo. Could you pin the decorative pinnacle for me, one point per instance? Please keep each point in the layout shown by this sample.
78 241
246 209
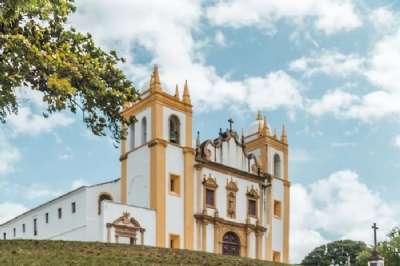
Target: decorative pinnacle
177 92
266 126
275 134
259 115
186 96
155 84
265 129
284 136
198 139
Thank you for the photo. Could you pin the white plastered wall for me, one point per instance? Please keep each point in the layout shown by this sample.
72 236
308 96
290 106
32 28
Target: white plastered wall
277 224
71 226
174 204
138 129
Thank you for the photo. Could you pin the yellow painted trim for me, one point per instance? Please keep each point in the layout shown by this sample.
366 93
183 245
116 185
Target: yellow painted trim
286 222
188 157
158 97
157 173
176 239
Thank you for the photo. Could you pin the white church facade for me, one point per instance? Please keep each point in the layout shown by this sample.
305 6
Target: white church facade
228 195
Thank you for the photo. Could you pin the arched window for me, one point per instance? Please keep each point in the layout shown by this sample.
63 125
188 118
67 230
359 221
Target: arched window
231 244
144 130
132 136
174 129
277 165
103 196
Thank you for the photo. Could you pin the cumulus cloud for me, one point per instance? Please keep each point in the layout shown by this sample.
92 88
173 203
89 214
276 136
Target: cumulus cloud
383 18
275 90
328 62
9 210
9 155
168 37
355 207
336 102
380 67
329 16
29 123
397 141
384 63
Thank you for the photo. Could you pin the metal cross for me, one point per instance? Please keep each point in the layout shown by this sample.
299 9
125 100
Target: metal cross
230 120
375 229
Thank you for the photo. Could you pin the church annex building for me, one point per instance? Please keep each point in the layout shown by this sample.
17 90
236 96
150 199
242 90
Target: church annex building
228 195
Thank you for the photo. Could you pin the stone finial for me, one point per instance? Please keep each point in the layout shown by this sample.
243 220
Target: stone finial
284 136
259 116
186 95
155 84
267 129
198 139
275 134
177 92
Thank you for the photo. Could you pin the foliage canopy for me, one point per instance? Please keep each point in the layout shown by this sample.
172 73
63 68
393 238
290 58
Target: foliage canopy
38 51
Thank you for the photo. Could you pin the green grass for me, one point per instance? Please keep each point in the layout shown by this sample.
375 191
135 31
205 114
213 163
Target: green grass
32 252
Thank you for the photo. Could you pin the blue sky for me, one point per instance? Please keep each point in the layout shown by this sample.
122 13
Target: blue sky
329 70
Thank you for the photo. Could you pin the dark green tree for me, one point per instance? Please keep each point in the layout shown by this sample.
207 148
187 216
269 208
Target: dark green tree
38 51
339 251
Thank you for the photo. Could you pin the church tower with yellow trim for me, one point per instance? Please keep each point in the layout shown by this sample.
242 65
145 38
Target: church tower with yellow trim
272 152
157 161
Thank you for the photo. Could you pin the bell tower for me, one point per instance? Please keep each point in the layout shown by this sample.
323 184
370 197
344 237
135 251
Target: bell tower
272 152
161 174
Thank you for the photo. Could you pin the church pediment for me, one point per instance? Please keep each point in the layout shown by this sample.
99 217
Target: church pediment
229 150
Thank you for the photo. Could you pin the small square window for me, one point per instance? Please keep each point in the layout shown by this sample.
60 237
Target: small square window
252 207
47 217
276 256
174 241
174 184
277 209
59 213
210 198
73 207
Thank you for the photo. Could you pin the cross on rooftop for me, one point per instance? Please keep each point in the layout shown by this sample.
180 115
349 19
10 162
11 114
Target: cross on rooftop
375 229
230 121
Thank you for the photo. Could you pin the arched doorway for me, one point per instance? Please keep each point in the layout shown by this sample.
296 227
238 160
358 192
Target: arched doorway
231 244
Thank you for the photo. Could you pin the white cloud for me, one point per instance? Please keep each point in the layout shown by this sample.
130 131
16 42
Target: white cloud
381 68
354 205
168 37
277 89
220 38
383 18
384 63
9 210
29 123
331 63
9 155
397 141
329 16
336 102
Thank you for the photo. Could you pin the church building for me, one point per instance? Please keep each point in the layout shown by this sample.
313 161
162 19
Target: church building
227 195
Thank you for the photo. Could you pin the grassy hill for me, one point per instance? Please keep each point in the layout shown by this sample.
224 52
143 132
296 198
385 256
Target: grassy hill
32 252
